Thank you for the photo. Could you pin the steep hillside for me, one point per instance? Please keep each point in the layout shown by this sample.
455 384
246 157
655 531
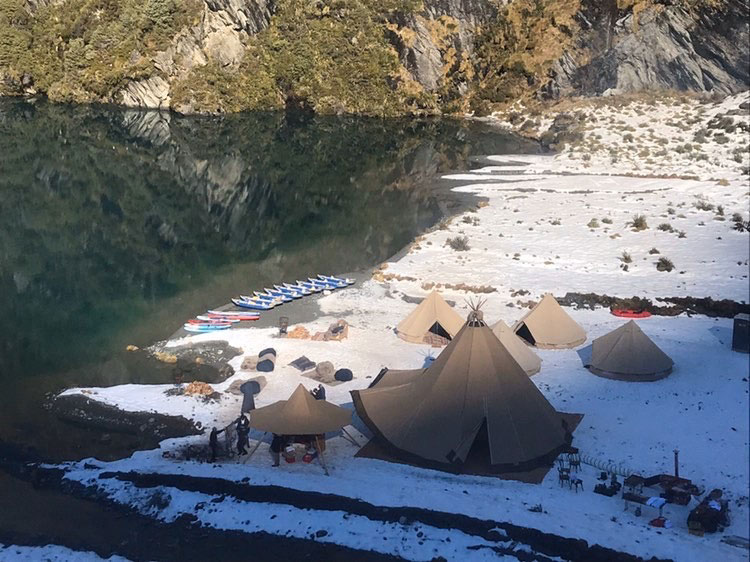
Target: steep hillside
355 56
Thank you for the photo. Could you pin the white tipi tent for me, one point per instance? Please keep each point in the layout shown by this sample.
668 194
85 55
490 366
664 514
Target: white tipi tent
547 325
626 353
529 361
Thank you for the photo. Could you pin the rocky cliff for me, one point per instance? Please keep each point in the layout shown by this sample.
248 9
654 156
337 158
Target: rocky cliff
401 56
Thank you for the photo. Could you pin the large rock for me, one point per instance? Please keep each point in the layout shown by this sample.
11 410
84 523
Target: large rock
151 93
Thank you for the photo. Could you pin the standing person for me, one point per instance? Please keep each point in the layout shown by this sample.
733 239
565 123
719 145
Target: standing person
277 444
213 442
243 431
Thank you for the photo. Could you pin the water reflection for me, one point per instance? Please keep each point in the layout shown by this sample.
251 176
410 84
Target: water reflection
108 216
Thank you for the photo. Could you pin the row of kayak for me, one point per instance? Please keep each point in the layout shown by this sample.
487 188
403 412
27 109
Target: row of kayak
279 294
214 320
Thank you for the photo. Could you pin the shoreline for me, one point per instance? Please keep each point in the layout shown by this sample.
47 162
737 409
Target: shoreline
532 236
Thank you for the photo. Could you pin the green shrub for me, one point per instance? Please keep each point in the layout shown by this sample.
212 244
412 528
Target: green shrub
607 220
593 223
626 258
637 223
653 251
664 264
459 243
703 205
665 227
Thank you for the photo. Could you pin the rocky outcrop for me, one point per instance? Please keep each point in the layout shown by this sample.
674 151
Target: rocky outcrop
435 42
152 92
453 55
219 37
666 46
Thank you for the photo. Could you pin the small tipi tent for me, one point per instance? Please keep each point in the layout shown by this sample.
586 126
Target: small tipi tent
302 414
626 353
529 361
547 325
475 398
433 315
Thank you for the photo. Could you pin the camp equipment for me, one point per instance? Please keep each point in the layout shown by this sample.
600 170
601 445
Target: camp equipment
628 354
432 316
204 328
629 313
253 304
548 326
345 281
475 401
529 361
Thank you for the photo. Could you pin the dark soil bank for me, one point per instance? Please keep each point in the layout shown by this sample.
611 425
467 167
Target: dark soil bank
86 524
673 305
544 546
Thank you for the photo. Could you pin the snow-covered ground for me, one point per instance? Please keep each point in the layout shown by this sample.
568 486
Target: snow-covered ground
647 135
50 553
534 233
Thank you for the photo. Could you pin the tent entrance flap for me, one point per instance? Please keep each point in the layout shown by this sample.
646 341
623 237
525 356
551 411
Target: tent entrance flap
479 453
438 330
523 332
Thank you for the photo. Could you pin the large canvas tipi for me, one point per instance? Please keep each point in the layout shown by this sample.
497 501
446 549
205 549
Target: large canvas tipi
628 354
433 315
548 326
474 397
529 361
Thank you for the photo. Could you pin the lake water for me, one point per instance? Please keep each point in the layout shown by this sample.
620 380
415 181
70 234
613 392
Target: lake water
118 225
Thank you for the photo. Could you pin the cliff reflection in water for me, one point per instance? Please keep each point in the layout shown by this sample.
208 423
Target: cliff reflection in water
107 215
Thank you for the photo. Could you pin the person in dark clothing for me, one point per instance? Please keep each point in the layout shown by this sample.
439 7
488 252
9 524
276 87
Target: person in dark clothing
243 431
213 442
277 444
319 393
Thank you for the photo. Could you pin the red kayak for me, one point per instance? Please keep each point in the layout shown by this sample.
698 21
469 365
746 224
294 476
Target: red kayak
628 313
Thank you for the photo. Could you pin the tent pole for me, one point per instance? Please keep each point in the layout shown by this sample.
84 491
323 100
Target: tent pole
320 455
250 454
349 435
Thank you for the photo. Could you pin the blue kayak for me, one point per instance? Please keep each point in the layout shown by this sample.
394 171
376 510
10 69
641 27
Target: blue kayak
337 280
253 304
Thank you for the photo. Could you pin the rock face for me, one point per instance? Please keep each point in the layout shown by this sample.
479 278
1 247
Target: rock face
598 46
663 47
220 37
152 92
434 42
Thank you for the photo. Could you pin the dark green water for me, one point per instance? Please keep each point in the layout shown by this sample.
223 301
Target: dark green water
117 225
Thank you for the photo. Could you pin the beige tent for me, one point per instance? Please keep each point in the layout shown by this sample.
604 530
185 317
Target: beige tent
628 354
433 315
302 414
521 352
392 377
475 399
547 325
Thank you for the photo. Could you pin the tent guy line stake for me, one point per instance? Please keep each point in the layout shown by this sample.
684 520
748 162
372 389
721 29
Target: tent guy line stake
349 435
250 454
